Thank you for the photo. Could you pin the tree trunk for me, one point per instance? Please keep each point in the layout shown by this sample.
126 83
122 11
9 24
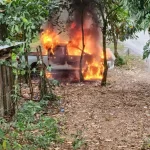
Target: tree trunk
43 77
103 83
3 32
116 48
115 40
1 92
83 45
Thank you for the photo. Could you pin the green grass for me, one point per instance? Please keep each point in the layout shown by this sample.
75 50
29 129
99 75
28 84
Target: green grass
120 47
146 144
30 130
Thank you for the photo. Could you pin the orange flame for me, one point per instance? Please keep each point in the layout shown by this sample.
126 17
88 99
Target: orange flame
75 45
92 69
48 75
48 40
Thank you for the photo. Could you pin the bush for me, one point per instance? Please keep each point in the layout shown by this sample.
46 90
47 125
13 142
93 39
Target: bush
120 61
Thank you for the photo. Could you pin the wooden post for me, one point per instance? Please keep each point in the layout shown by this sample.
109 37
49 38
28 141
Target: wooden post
43 86
7 106
1 93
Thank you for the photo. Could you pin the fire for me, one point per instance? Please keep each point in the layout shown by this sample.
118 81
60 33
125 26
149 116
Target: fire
48 75
75 45
93 68
73 25
94 71
48 40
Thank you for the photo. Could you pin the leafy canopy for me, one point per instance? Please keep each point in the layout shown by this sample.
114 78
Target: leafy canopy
23 18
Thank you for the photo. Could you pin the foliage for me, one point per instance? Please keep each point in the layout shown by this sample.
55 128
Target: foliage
120 21
31 129
139 10
78 141
7 42
146 144
23 18
119 61
146 50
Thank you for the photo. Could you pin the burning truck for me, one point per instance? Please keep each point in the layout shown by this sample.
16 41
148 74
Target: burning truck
63 58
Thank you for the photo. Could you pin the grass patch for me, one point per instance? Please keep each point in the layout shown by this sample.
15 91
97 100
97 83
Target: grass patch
120 47
125 59
120 61
146 144
30 130
78 141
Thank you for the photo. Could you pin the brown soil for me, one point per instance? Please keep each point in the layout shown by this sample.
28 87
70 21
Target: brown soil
115 117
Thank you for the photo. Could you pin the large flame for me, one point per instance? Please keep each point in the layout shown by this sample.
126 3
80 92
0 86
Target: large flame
48 39
92 68
94 71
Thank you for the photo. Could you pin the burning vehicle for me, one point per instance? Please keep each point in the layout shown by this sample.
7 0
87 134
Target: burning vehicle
63 60
63 56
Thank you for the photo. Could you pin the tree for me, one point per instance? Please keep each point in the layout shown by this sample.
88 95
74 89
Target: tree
23 18
120 25
79 7
77 12
115 15
83 42
118 21
108 13
106 9
140 12
103 12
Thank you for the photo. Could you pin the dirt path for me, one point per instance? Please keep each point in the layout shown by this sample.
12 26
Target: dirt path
116 117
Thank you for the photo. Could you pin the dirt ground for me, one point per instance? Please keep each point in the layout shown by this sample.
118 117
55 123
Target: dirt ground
115 117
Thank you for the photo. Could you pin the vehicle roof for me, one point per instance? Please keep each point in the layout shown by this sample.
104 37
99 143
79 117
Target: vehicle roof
61 44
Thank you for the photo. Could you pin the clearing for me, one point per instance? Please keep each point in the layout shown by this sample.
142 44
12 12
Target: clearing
115 117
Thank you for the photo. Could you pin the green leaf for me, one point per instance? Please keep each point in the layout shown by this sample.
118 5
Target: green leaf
32 27
25 20
34 70
1 147
55 82
1 134
146 50
4 145
49 68
17 146
16 28
1 15
41 73
39 62
12 29
77 144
